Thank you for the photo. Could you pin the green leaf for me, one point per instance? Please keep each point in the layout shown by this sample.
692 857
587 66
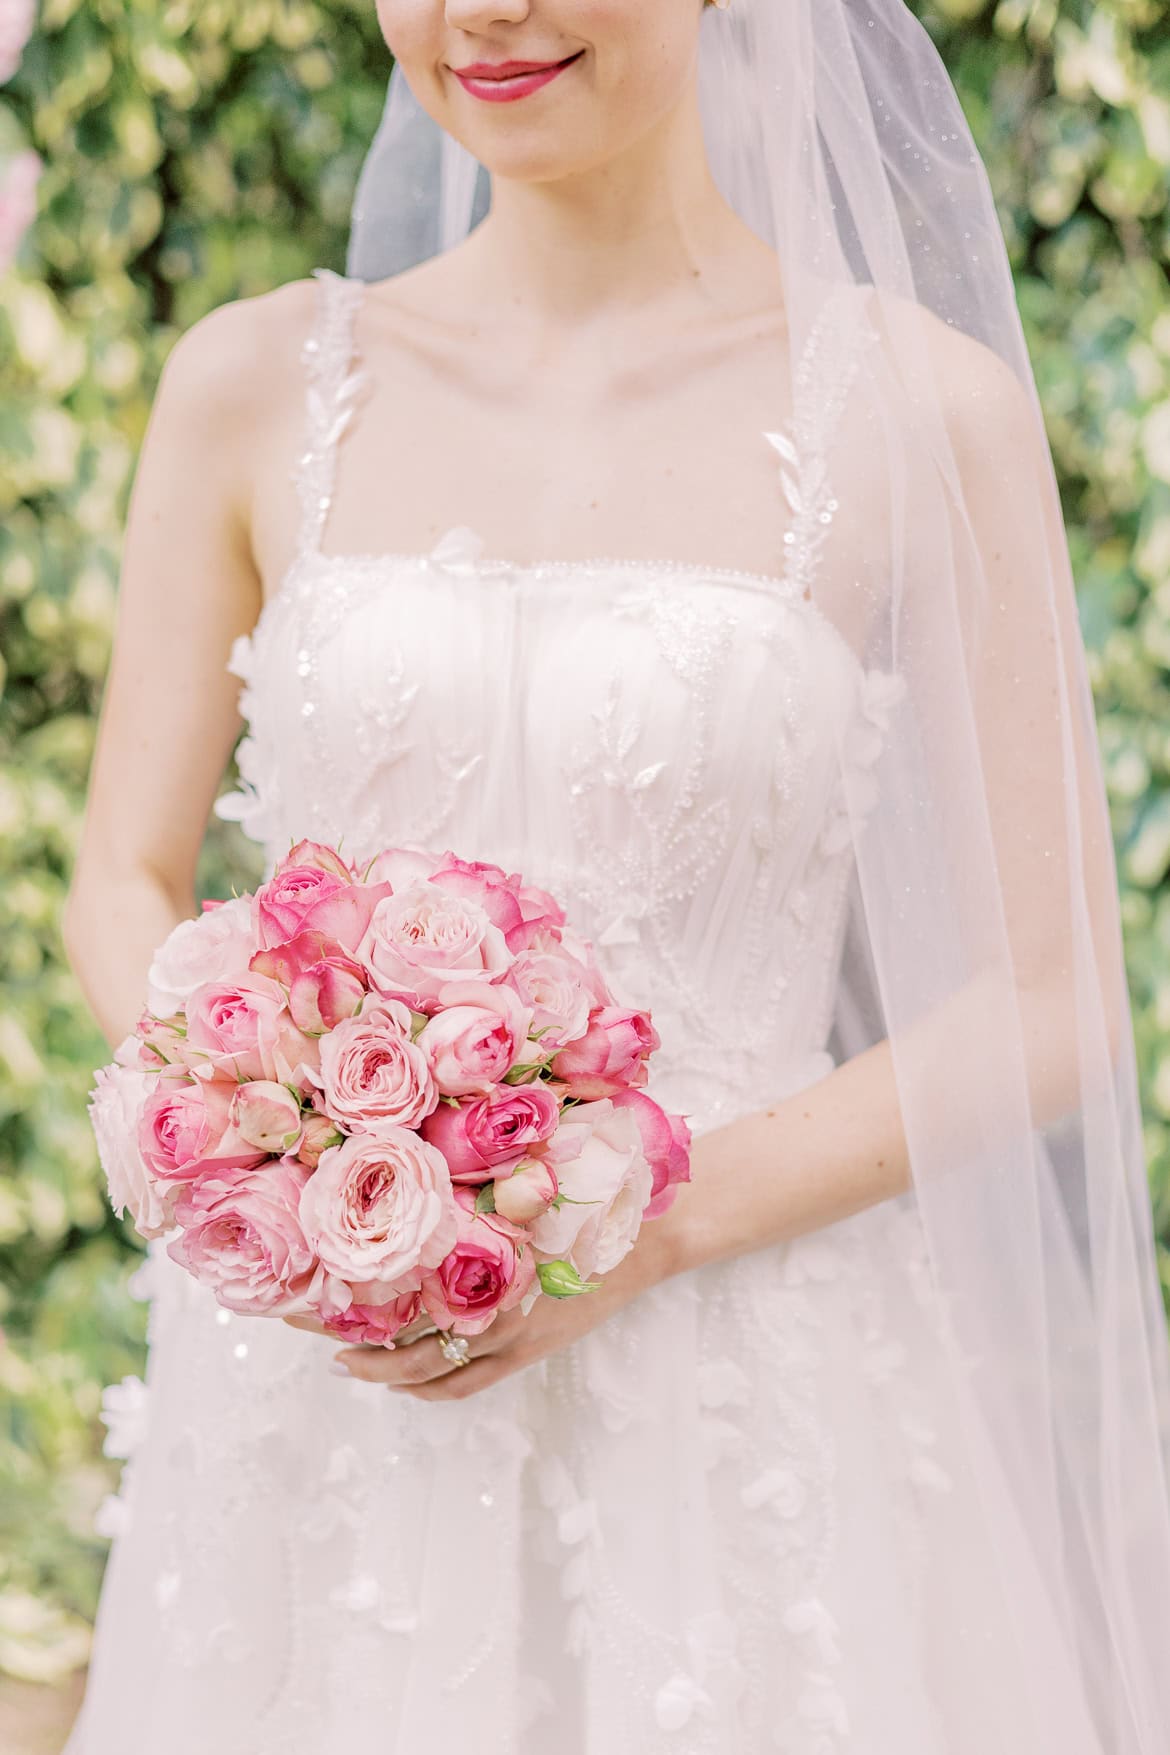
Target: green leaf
485 1200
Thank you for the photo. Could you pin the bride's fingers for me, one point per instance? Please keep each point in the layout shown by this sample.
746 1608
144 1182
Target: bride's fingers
400 1367
306 1322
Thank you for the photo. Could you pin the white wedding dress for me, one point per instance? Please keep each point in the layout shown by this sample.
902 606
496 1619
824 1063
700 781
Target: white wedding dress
735 1517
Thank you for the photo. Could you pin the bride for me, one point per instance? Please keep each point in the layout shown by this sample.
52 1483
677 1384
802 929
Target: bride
677 529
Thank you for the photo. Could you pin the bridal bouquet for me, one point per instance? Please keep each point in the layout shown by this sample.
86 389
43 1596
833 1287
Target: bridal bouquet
384 1095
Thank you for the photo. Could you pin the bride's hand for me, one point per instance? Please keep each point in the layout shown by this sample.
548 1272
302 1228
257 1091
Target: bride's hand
513 1340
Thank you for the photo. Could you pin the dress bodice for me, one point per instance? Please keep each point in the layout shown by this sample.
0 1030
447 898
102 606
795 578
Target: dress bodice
663 746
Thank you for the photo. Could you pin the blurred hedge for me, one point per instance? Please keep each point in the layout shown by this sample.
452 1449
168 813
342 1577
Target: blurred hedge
199 152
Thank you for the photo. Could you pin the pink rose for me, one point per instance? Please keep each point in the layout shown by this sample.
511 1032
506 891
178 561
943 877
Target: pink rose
115 1104
399 867
559 990
485 1270
186 1123
422 936
666 1141
484 884
526 1193
375 1325
519 910
266 1115
478 1035
609 1057
243 1029
602 1171
243 1239
380 1207
305 898
492 1131
325 984
373 1074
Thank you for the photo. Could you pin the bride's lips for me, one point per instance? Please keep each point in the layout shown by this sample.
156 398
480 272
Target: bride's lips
506 80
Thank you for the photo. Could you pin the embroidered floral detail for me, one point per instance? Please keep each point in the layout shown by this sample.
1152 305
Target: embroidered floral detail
879 694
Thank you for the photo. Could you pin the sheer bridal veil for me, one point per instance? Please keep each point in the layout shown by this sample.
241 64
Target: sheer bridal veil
983 936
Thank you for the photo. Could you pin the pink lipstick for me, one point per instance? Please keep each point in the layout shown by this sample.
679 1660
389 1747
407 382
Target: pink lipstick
500 82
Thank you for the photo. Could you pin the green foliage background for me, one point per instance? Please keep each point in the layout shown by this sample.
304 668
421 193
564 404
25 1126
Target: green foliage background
198 151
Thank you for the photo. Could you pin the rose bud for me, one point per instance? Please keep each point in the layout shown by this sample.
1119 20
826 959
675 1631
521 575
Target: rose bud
527 1192
610 1056
267 1115
319 1132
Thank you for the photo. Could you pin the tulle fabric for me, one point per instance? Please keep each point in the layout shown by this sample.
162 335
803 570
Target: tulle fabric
983 939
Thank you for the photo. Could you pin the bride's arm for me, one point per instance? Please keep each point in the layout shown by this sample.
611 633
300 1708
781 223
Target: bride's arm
840 1145
169 717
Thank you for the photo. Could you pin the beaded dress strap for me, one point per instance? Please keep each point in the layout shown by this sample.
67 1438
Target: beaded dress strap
331 396
824 373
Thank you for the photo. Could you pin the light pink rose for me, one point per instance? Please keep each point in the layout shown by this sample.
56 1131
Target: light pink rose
213 946
421 937
375 1325
306 898
372 1073
598 1159
324 983
243 1029
185 1124
480 1137
666 1141
242 1238
380 1207
559 990
266 1115
479 1034
609 1057
115 1103
399 867
485 1270
527 1191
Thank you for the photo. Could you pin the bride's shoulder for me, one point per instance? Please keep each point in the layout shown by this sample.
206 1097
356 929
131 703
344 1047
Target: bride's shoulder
979 392
241 348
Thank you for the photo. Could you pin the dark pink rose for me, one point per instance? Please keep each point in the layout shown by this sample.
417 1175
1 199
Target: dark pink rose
186 1124
666 1142
372 1073
242 1238
488 1132
609 1057
324 983
485 1270
304 898
478 1034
